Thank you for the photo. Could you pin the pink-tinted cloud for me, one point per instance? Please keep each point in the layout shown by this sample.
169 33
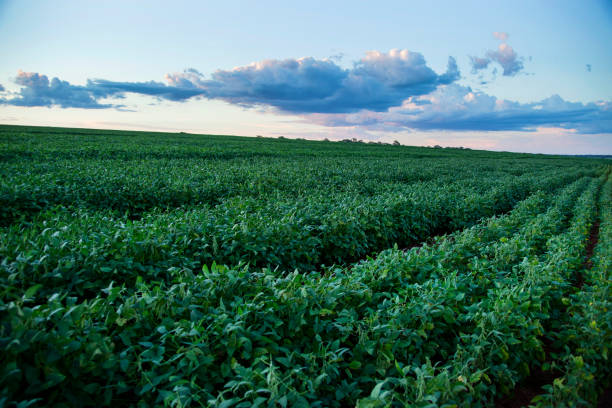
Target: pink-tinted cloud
306 85
507 58
504 55
501 36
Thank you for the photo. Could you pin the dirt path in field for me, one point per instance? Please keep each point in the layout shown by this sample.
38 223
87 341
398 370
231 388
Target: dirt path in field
590 247
591 244
526 391
531 386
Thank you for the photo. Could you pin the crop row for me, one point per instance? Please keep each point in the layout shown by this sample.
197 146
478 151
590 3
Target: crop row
133 173
509 327
239 337
134 188
113 293
26 143
84 252
585 336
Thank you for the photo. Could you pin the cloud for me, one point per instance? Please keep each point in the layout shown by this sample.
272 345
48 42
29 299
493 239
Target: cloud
38 90
505 56
459 108
2 88
501 36
336 57
392 91
305 85
105 88
588 67
479 63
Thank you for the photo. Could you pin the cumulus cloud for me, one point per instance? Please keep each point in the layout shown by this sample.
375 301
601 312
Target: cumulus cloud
504 55
305 85
460 108
1 88
507 58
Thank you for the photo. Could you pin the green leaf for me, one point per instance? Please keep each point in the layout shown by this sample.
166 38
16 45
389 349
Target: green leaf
354 365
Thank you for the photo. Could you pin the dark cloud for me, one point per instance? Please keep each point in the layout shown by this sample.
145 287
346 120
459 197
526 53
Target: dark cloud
505 56
38 90
460 108
306 85
104 88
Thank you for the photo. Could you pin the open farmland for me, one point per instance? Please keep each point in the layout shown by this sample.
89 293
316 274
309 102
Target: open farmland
147 269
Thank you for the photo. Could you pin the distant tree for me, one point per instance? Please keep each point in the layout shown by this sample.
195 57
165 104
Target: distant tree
326 140
396 143
437 147
282 137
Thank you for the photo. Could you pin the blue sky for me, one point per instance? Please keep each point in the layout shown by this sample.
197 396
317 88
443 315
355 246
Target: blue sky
518 76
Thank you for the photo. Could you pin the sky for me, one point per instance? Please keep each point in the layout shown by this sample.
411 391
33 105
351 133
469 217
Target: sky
519 76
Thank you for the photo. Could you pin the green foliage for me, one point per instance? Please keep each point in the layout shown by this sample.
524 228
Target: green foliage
183 270
586 333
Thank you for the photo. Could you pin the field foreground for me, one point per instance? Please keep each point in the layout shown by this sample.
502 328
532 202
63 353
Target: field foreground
147 269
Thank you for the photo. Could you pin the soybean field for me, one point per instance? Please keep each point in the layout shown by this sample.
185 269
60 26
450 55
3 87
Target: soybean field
170 269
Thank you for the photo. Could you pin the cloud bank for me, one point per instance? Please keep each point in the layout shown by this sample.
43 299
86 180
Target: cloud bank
305 85
505 56
459 108
393 91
